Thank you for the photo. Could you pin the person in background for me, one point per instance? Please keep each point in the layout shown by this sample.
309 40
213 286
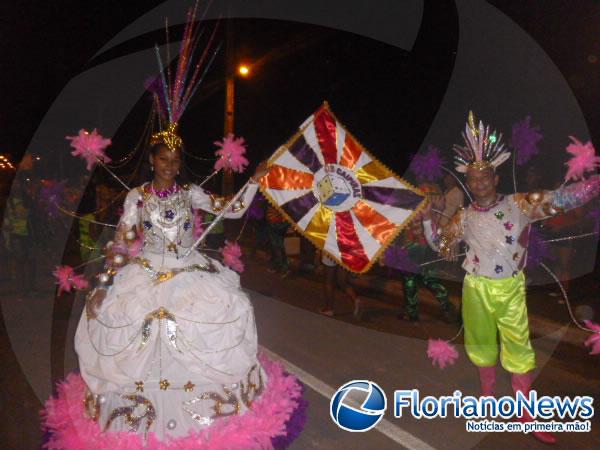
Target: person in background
91 236
257 221
413 239
277 228
334 275
216 238
17 233
454 198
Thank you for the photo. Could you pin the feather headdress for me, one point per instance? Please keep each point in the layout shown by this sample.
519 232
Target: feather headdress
172 96
481 150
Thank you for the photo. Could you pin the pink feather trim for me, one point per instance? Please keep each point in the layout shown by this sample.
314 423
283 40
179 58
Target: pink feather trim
584 159
441 353
231 256
90 146
231 154
67 279
64 417
593 341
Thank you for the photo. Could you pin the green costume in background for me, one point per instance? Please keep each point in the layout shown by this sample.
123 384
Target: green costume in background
418 250
277 228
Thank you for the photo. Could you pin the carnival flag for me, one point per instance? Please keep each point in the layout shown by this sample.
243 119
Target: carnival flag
336 194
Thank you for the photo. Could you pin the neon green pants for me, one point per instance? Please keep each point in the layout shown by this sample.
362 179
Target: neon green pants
497 306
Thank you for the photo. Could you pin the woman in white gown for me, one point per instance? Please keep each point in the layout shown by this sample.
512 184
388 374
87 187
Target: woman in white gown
171 345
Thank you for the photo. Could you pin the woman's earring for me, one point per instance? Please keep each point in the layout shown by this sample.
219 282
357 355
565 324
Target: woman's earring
152 168
178 172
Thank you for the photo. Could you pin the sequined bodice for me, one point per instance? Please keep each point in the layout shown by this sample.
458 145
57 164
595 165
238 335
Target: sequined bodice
167 222
496 239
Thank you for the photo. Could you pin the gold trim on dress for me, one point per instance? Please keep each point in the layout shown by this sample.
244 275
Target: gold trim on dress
161 277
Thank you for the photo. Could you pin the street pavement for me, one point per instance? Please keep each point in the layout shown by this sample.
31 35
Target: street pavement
333 352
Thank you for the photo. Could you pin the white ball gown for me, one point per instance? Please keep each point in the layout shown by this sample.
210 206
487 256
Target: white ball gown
173 346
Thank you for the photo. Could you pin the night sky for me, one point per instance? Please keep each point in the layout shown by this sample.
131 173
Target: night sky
385 95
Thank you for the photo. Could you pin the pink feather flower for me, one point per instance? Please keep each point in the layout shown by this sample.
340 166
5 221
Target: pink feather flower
63 278
441 353
593 341
79 282
584 159
67 279
90 146
231 256
231 154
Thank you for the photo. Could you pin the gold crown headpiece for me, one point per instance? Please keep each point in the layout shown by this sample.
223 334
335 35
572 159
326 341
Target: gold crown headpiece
482 149
168 137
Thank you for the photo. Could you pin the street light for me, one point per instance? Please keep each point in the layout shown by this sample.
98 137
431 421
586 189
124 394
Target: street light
243 70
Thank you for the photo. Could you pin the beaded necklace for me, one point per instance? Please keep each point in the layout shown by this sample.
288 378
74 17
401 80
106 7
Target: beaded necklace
478 208
165 192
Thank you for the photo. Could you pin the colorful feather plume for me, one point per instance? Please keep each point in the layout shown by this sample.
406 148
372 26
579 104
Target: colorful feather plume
155 86
481 148
525 140
90 146
231 256
584 159
173 94
441 353
231 154
428 165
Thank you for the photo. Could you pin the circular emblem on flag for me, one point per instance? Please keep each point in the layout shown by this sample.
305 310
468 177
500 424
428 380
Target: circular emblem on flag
337 187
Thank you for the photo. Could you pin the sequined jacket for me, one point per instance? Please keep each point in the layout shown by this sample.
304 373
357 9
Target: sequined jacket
497 236
167 223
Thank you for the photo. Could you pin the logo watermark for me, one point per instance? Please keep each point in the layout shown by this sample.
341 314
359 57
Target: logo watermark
348 415
521 413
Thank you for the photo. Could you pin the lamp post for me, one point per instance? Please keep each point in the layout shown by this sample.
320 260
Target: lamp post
231 71
227 182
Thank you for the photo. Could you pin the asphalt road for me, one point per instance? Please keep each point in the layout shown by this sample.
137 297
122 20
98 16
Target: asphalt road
332 352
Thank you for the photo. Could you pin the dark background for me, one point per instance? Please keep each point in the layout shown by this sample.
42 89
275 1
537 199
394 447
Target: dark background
386 96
